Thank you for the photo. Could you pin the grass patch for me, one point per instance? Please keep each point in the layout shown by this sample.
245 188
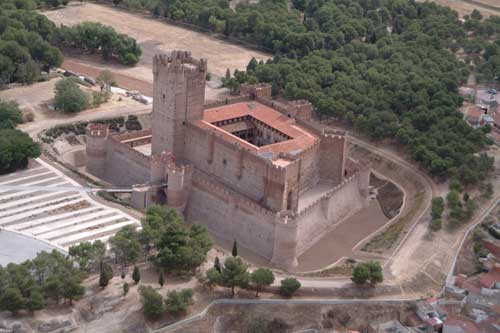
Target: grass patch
386 240
344 269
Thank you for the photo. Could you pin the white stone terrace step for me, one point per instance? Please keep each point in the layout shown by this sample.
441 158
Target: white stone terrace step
62 224
21 193
4 221
34 198
22 226
80 228
58 197
14 177
91 235
35 182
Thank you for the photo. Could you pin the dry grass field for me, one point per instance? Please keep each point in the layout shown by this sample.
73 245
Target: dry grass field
156 36
464 7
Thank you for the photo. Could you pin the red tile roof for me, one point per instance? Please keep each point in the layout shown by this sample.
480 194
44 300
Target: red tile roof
467 325
489 279
300 138
493 248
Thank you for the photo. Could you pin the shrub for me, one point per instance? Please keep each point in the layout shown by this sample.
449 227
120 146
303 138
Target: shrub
367 271
289 286
436 224
178 302
10 114
69 97
136 275
152 302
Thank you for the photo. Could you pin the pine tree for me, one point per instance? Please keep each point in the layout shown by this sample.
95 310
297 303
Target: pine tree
161 279
125 289
136 275
235 249
217 264
106 274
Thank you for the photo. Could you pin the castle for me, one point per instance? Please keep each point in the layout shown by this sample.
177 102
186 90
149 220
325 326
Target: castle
250 168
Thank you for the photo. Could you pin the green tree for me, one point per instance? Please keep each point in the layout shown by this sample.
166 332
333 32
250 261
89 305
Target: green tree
16 149
367 271
289 286
126 289
213 277
69 97
217 265
234 274
125 245
476 15
453 199
376 275
136 275
36 299
106 274
106 79
152 302
360 274
178 302
437 207
10 114
181 247
252 65
261 278
12 300
161 279
234 251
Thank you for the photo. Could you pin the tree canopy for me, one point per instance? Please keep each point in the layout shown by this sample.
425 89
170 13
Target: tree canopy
25 42
28 286
16 148
95 37
388 68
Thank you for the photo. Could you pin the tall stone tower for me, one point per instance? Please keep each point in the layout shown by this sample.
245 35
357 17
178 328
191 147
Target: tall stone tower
332 158
96 148
179 96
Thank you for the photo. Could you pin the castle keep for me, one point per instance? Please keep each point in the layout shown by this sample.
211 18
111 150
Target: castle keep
250 168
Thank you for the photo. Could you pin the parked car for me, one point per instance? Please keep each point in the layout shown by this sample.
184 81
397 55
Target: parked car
492 91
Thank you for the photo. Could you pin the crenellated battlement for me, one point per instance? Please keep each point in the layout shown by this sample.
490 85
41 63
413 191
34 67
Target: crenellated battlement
179 61
328 194
97 130
334 133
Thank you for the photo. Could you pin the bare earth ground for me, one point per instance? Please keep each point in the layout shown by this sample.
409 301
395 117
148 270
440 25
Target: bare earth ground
339 242
36 96
464 7
155 36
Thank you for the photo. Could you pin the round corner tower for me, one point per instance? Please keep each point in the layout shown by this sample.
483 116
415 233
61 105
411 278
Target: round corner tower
96 150
179 97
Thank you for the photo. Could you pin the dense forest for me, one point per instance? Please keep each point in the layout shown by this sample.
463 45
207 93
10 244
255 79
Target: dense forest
389 68
29 41
25 46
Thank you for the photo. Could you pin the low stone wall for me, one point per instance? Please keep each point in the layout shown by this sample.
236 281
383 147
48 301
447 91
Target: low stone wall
126 166
325 213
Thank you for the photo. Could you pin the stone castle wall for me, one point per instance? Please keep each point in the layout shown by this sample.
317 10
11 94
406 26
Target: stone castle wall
236 168
322 215
125 166
231 216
